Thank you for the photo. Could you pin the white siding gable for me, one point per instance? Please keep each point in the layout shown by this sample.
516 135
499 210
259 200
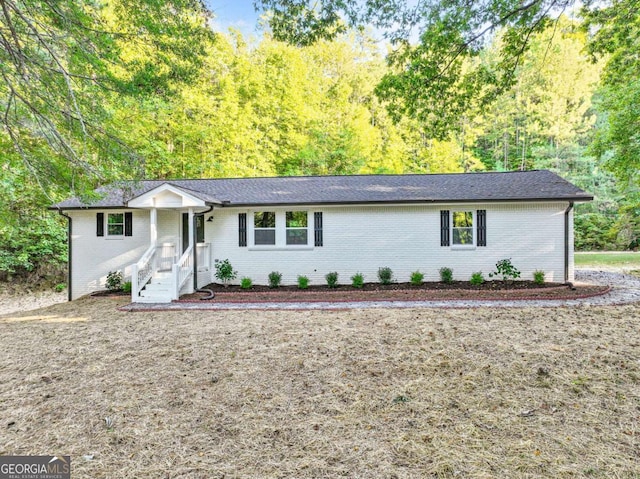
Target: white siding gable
166 196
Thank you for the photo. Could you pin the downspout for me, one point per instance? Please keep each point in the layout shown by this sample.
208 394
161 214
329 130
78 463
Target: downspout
195 255
69 257
566 243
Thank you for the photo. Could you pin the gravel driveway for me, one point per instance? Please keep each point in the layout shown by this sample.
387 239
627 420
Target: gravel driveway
11 302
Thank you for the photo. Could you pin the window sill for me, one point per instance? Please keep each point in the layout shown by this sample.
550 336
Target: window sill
114 237
463 247
281 248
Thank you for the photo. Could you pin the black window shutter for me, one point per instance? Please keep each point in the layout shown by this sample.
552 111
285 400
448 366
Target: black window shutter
128 224
481 217
444 228
317 228
99 224
242 229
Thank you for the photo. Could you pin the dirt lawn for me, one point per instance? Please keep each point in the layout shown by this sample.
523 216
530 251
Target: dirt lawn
471 393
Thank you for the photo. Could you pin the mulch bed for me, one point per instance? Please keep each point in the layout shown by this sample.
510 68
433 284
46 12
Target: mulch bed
110 293
430 291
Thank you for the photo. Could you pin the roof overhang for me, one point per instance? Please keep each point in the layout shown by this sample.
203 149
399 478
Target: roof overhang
577 199
168 196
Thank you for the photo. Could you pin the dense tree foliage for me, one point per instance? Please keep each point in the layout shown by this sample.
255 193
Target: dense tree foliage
437 79
616 39
62 62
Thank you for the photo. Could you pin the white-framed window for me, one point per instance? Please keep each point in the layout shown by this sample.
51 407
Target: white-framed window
281 230
297 232
276 229
115 224
462 228
264 228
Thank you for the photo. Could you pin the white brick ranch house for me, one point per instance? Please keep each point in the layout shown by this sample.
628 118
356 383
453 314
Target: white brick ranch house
165 236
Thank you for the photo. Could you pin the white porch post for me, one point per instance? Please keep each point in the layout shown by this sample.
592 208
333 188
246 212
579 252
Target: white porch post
191 244
153 231
153 226
136 285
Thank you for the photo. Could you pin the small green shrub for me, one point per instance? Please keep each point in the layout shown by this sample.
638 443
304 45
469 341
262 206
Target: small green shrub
246 283
114 281
332 279
505 268
446 275
385 275
275 278
416 278
224 271
303 282
538 277
357 280
477 278
126 287
60 287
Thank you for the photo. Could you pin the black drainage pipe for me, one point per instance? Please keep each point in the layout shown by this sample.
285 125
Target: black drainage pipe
566 243
69 256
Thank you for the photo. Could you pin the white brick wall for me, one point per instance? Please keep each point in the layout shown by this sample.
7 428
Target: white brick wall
356 239
95 256
404 238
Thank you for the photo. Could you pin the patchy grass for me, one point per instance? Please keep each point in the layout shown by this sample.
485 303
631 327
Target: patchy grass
519 393
627 260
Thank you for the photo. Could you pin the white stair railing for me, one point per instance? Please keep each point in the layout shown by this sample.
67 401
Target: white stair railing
182 271
203 253
142 271
166 256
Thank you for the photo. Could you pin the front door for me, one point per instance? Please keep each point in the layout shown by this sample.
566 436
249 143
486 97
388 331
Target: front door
185 230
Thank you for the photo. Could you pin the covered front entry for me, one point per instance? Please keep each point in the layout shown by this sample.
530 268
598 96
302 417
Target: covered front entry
171 264
199 227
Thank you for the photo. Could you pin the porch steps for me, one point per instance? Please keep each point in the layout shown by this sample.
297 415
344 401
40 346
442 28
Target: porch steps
158 290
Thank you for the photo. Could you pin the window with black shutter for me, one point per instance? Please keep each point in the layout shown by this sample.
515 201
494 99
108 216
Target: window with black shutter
242 229
99 224
444 228
128 224
481 219
317 228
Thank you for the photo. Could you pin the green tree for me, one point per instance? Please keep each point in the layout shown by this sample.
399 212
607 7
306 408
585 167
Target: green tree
65 66
440 78
32 241
616 39
546 119
62 61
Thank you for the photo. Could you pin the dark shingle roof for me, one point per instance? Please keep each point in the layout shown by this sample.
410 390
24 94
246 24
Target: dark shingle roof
539 185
